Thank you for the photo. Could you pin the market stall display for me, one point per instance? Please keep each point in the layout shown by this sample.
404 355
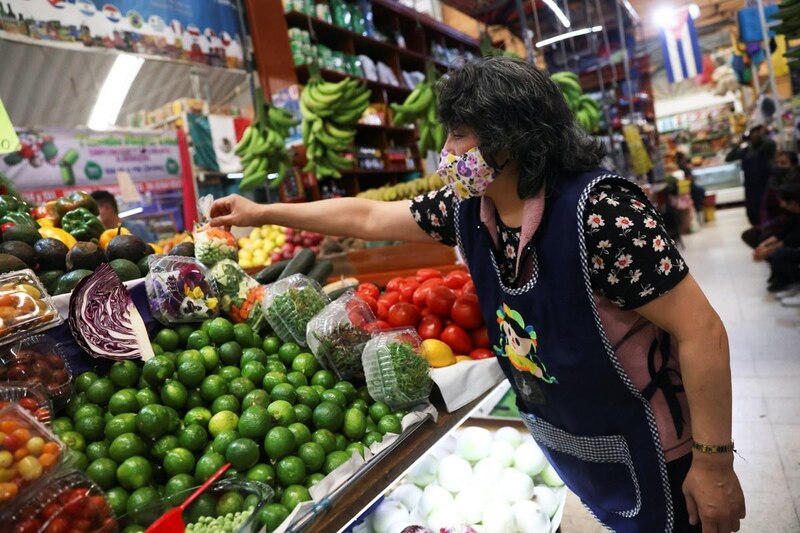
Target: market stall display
271 244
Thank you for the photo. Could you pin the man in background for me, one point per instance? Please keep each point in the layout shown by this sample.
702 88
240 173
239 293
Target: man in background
756 155
109 215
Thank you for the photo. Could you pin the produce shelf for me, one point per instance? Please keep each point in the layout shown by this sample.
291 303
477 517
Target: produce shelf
394 92
366 171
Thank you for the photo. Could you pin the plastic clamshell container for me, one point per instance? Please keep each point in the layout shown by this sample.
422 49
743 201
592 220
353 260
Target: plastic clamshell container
262 493
31 472
241 297
395 369
38 360
31 397
290 303
212 245
25 306
70 498
337 335
181 289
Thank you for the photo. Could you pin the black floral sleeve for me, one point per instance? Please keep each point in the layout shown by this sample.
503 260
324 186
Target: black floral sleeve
433 212
631 258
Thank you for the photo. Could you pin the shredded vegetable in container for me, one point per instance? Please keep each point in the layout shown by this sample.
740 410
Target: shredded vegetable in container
241 296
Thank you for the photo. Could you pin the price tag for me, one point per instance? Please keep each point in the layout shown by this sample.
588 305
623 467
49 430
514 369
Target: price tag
130 194
9 142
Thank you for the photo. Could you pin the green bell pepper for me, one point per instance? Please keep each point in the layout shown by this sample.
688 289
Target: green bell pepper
82 224
8 204
77 200
18 219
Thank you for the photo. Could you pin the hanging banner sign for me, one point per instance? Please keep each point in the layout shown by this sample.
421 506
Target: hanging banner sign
51 163
204 31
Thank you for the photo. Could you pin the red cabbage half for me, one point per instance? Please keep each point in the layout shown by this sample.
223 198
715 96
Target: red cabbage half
104 320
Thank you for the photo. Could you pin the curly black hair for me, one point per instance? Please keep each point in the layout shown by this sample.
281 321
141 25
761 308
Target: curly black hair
512 105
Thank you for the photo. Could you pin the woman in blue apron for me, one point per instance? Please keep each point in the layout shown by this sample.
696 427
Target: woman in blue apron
620 365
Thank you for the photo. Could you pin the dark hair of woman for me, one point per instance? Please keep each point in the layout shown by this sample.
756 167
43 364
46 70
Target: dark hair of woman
791 156
512 105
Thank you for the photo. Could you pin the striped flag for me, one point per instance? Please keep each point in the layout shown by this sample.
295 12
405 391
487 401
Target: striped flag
680 47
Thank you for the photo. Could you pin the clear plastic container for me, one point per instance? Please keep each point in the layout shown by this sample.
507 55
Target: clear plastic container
337 335
32 398
25 306
27 470
290 303
212 245
241 296
255 494
181 289
395 369
38 360
69 499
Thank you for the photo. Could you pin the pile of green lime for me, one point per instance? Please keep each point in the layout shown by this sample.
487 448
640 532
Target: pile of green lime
217 394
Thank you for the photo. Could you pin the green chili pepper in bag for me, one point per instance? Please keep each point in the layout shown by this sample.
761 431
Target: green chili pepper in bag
82 224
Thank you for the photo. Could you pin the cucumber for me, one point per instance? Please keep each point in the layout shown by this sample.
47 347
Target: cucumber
336 293
320 271
337 288
271 273
299 264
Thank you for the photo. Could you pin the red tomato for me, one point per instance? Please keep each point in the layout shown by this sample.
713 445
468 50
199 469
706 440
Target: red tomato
430 327
466 312
440 300
425 274
421 293
28 526
370 301
383 325
57 525
458 339
468 288
370 289
456 279
383 309
394 284
407 291
403 314
481 353
480 338
390 297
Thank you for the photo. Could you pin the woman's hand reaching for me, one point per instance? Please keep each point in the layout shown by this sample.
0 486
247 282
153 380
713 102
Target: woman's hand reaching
235 210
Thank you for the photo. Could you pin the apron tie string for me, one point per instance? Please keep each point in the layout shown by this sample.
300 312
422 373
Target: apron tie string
661 379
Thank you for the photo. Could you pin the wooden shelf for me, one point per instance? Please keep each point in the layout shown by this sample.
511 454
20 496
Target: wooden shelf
367 171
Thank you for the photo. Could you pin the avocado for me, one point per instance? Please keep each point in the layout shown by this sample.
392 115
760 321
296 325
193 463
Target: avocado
52 254
184 249
21 250
144 264
27 234
68 281
85 255
149 250
10 263
128 247
126 270
49 279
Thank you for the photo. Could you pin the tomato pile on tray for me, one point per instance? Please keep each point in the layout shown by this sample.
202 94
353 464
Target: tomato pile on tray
442 307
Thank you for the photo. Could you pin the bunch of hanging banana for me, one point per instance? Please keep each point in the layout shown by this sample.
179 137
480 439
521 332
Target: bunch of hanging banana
330 113
584 107
262 149
421 105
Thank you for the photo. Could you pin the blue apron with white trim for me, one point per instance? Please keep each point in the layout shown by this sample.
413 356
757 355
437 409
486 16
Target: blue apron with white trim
594 426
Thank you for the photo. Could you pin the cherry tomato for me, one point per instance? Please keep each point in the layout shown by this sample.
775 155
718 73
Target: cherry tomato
407 291
403 314
430 327
481 353
50 510
28 526
57 525
29 404
466 312
480 338
369 300
440 300
456 279
391 298
425 274
370 289
82 525
394 284
458 339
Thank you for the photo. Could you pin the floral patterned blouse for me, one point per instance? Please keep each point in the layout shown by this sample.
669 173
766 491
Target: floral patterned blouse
631 258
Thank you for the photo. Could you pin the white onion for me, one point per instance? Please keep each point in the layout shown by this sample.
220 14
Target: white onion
528 458
434 497
510 435
408 494
444 517
498 518
517 485
550 476
424 472
546 497
529 517
471 502
389 512
454 473
503 451
488 471
474 443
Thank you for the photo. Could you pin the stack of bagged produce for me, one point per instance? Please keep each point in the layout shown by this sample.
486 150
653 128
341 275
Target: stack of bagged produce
584 107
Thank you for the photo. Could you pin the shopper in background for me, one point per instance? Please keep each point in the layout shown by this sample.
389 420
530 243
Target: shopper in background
697 192
617 358
783 251
773 217
109 215
757 156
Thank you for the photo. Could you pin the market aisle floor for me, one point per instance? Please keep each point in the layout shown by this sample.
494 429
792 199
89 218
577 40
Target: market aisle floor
765 359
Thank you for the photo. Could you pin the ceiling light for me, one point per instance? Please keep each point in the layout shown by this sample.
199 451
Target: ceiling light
664 17
114 91
634 15
568 35
131 212
694 10
559 14
235 175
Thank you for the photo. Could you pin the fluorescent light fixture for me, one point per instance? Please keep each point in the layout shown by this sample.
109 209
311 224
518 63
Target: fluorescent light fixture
131 212
694 11
272 176
665 16
568 35
629 8
235 175
559 14
114 91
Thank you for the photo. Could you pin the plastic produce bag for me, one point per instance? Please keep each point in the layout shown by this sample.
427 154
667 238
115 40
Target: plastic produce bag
212 245
241 296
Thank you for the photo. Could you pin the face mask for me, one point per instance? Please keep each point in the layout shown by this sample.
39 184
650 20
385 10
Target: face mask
469 174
